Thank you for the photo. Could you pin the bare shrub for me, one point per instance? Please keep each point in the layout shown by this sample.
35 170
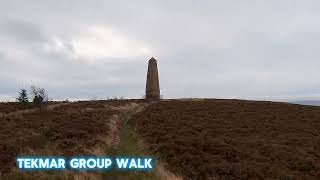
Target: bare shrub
39 95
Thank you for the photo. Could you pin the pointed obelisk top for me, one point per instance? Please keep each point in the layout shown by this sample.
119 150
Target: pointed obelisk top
152 85
152 59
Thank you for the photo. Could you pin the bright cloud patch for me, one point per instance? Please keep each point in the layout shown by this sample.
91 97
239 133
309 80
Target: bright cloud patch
95 44
101 42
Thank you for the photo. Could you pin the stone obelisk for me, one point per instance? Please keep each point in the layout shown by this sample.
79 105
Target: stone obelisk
152 86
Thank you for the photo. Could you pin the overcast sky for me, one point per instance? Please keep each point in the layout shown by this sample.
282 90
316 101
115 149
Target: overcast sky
81 49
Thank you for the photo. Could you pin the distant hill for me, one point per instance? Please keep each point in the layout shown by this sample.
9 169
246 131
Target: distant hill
307 102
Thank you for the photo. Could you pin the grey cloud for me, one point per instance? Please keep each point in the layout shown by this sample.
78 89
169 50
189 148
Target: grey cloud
21 30
255 50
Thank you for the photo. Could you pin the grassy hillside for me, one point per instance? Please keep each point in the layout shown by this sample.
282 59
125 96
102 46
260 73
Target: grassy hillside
193 139
234 139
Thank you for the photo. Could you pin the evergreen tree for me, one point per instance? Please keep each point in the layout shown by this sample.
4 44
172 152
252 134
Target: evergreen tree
23 96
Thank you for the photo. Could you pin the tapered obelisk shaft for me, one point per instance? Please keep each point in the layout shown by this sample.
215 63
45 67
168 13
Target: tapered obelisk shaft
152 86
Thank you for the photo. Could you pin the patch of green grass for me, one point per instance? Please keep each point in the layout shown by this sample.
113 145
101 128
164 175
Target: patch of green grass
128 146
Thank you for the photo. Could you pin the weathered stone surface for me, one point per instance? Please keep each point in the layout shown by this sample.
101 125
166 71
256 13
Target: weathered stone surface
152 86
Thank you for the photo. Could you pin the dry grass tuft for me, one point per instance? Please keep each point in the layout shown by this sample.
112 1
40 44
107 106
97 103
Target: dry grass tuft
164 174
